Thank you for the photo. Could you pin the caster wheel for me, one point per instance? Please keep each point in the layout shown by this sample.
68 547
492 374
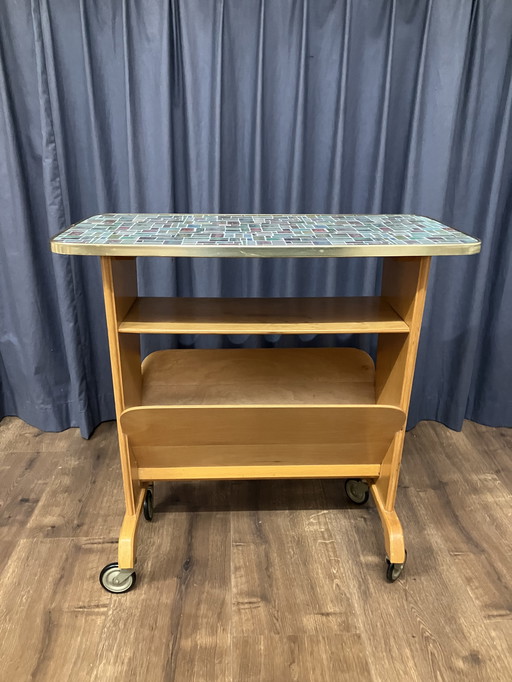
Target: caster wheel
114 580
393 571
357 490
148 505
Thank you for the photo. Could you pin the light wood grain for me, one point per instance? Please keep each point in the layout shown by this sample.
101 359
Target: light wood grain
126 556
248 470
357 314
239 425
362 434
231 379
249 578
394 541
259 442
164 462
404 285
266 454
119 291
260 376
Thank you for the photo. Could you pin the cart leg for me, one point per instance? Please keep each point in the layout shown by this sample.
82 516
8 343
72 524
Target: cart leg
128 534
384 494
393 533
120 576
404 285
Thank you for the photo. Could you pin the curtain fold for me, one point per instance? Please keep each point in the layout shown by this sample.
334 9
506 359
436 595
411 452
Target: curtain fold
252 106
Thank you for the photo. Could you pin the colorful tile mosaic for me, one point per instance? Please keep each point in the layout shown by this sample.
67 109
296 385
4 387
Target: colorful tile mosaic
249 231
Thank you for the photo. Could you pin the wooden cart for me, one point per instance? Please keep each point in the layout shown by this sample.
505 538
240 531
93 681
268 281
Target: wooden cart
262 413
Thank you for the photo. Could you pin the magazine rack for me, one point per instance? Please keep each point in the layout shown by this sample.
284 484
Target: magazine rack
268 412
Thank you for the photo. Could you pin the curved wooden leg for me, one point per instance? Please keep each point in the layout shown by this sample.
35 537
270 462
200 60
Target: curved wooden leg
393 532
128 533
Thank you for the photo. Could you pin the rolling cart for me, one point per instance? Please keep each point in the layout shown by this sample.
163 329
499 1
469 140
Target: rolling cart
266 412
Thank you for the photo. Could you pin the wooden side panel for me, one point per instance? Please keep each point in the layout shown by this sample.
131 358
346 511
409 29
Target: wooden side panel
266 454
170 425
311 460
260 442
120 290
404 286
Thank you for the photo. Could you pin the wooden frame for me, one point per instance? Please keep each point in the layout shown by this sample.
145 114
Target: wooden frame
404 287
345 419
120 291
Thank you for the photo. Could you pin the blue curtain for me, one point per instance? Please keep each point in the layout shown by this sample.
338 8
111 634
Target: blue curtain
332 106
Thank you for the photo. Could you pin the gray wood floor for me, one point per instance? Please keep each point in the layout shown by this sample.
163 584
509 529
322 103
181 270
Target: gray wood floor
264 581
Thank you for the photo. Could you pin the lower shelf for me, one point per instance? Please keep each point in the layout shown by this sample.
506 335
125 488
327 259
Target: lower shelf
169 442
264 413
256 461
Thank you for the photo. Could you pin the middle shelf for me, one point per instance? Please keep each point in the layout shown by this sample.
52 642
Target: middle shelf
258 376
339 315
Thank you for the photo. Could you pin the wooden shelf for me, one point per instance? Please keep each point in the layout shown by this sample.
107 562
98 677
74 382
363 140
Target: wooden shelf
259 413
262 376
266 441
357 314
258 461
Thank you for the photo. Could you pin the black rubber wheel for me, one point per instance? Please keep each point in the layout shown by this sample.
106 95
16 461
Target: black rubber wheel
394 571
357 490
148 505
112 580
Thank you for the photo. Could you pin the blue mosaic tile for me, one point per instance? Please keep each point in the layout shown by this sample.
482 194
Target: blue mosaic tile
245 231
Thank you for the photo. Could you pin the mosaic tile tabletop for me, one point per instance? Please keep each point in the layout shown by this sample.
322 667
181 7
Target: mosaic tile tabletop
217 235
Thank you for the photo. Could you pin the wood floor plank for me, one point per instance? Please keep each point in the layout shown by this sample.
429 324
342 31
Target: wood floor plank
380 609
493 594
258 580
178 619
469 457
412 626
287 577
84 496
492 452
24 479
472 509
501 635
470 652
446 502
51 612
17 435
300 658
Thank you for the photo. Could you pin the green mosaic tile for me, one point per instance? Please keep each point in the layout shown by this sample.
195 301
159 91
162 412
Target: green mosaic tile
245 231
